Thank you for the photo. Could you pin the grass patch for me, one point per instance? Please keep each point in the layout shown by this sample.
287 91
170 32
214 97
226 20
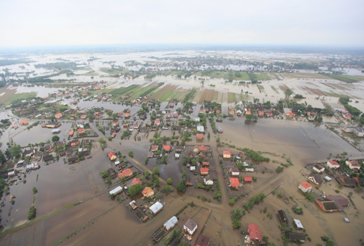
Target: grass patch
260 88
273 88
216 95
123 90
263 76
113 70
166 96
231 97
21 96
91 73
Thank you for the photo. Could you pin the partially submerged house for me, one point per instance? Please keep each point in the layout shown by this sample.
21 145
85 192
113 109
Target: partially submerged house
319 169
333 164
126 173
189 228
170 223
156 207
305 187
203 241
234 171
353 165
295 236
282 217
234 183
148 192
347 182
112 156
226 154
315 178
254 233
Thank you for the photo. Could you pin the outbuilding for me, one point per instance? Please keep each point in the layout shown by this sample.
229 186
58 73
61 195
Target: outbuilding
170 223
156 207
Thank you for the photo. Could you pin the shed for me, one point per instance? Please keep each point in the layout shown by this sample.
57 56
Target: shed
156 207
116 190
282 217
298 224
170 223
296 236
133 205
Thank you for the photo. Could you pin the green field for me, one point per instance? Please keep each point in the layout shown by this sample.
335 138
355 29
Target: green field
167 96
113 70
263 76
21 96
346 78
232 97
123 90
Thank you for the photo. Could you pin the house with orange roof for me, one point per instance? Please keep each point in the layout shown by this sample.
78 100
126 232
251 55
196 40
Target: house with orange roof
70 133
167 148
305 187
80 131
290 114
261 113
57 116
24 122
202 148
234 183
126 173
148 192
127 115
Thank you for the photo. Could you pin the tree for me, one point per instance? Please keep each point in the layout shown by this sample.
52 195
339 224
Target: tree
156 170
102 140
288 93
279 169
181 186
104 174
15 151
135 189
309 197
89 116
167 188
131 154
2 158
31 213
232 201
164 159
146 173
183 172
156 181
35 190
169 181
280 193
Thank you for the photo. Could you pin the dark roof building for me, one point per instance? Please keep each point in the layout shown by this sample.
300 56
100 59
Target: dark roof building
348 182
296 236
327 205
203 241
282 217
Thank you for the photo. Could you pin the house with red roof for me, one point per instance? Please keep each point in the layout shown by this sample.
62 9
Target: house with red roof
136 181
333 164
80 131
204 171
57 116
261 113
254 233
290 115
199 136
70 133
248 179
127 115
226 154
167 148
112 156
83 116
24 122
200 111
175 115
269 114
126 173
202 148
218 112
305 187
234 183
157 122
232 112
154 148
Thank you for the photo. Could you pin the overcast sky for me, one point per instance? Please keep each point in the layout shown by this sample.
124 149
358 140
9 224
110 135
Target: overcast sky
68 22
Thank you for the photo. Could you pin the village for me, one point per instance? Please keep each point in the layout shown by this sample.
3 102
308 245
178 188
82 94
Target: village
179 151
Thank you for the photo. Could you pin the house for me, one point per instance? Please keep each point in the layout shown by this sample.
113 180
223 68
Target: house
318 168
199 136
296 236
340 201
204 171
116 190
170 223
202 148
248 179
136 181
333 164
327 205
234 183
74 143
226 154
298 224
205 164
200 128
157 122
73 159
81 131
347 182
167 148
112 173
47 158
234 171
192 168
112 156
133 205
359 132
28 153
208 180
203 241
127 115
261 113
282 217
156 207
220 130
189 228
70 133
51 125
57 116
24 122
126 173
305 187
150 154
353 165
175 115
290 115
11 174
315 178
143 217
148 192
254 233
359 181
154 148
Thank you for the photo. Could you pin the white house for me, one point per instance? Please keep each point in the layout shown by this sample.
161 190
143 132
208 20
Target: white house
192 168
305 187
234 171
116 190
200 128
156 207
353 164
333 164
298 224
189 228
359 132
249 169
208 180
170 223
318 168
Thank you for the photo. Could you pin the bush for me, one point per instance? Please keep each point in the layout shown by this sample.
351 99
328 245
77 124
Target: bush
104 174
169 181
232 201
31 213
55 138
181 186
135 189
131 154
279 169
167 188
35 190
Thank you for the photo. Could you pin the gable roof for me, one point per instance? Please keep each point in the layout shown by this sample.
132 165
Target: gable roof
136 181
305 185
202 148
254 232
334 163
125 173
190 224
316 177
203 241
248 179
